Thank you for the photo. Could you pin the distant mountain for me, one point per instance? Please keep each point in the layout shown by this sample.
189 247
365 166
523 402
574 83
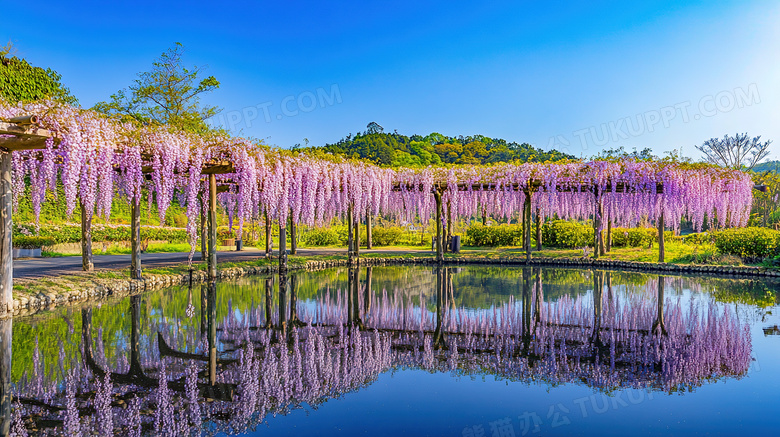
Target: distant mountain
767 166
411 151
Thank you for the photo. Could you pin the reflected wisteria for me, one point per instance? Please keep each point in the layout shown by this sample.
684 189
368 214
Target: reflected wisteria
233 374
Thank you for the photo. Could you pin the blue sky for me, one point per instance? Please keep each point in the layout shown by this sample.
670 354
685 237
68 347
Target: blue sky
580 76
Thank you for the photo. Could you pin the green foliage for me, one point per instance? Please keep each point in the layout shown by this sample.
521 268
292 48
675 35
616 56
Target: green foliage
70 233
748 242
169 94
32 242
561 233
321 237
698 238
394 149
381 236
21 82
633 237
494 236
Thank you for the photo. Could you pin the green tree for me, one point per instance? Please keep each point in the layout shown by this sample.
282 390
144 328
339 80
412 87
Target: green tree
168 94
21 82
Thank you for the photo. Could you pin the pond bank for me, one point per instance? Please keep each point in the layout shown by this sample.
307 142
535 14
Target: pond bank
43 294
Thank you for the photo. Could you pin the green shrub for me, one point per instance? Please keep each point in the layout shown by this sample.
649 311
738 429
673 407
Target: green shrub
381 236
633 237
71 233
748 242
562 233
321 237
32 242
494 236
697 238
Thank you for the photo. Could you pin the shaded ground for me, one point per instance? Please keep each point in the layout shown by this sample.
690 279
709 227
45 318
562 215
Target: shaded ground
48 267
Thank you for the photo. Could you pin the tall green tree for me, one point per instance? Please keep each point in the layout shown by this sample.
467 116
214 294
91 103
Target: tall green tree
22 82
167 94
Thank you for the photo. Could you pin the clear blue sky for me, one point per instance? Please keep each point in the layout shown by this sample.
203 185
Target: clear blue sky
547 73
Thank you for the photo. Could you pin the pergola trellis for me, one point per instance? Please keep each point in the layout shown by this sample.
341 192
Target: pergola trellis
22 133
18 134
534 186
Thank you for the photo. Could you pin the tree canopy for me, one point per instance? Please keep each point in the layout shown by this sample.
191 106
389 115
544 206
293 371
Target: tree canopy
396 150
168 94
22 82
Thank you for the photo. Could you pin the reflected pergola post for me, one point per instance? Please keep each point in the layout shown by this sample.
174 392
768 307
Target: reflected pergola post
269 287
598 303
212 324
6 395
658 324
439 341
368 294
282 326
294 301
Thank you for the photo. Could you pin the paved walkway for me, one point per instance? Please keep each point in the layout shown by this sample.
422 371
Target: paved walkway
42 267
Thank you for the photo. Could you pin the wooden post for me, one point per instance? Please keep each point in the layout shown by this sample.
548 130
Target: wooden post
661 249
609 235
135 239
439 248
6 393
282 246
369 231
357 237
448 237
267 236
538 229
6 233
484 216
212 217
527 226
203 230
596 223
87 263
350 236
293 237
602 249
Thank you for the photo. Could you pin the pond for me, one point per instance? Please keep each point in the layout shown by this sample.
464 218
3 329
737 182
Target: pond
386 351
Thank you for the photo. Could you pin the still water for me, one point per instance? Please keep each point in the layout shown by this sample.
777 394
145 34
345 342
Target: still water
386 351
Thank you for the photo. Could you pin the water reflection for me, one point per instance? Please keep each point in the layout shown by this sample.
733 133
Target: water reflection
281 353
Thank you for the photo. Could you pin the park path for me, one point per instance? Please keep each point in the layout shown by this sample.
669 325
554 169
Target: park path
68 265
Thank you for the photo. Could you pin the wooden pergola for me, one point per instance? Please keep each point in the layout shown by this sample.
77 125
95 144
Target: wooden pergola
534 186
17 134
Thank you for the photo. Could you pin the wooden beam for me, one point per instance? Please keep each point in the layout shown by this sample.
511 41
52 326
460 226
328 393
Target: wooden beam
620 187
16 137
6 232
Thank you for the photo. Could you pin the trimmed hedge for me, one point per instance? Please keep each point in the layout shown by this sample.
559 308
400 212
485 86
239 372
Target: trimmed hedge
381 236
562 233
633 237
111 233
494 236
748 242
32 242
321 237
